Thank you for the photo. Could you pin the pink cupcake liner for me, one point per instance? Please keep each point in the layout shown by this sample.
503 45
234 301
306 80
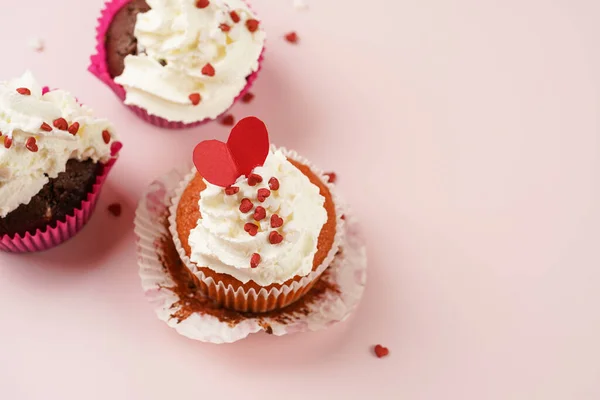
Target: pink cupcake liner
64 230
99 67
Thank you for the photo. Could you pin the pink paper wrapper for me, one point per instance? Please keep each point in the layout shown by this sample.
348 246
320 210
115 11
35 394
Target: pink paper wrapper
64 230
99 67
347 272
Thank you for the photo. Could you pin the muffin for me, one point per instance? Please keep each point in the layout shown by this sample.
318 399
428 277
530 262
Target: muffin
178 63
258 238
54 156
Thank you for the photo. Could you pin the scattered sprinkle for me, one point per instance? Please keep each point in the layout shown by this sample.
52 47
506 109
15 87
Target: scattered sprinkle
251 228
31 145
228 120
276 221
292 37
208 70
331 177
248 97
274 183
195 98
234 17
106 136
254 179
231 190
262 194
115 209
246 205
252 25
275 238
260 213
254 260
74 128
61 124
380 351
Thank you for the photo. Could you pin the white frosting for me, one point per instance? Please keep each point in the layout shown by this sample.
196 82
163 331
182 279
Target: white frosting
220 242
188 38
23 173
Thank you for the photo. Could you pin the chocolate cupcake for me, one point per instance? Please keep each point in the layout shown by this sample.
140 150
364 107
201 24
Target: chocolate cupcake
53 160
178 64
256 225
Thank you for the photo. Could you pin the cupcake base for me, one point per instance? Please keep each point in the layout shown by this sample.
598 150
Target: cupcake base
174 291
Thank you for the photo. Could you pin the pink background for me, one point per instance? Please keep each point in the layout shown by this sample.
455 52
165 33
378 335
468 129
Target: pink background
466 136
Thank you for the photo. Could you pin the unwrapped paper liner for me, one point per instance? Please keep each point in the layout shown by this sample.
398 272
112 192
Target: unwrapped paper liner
348 272
99 67
277 297
52 236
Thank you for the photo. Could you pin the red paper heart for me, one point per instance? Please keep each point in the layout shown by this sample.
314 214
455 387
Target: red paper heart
247 148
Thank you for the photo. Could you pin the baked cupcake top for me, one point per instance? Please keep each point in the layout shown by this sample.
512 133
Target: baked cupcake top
263 227
193 57
40 133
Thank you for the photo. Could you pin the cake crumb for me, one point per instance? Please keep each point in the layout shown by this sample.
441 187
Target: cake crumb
115 209
36 44
300 5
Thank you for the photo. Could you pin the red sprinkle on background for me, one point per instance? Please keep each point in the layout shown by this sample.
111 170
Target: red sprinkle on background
202 3
291 37
254 179
332 177
228 120
275 238
31 145
262 194
195 98
46 127
246 205
7 142
225 27
115 209
248 97
251 228
252 25
231 190
274 183
254 260
260 213
234 17
276 221
381 351
74 128
61 124
106 136
208 70
24 91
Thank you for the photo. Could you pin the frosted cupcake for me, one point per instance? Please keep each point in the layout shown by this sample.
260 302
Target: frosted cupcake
54 157
178 63
257 225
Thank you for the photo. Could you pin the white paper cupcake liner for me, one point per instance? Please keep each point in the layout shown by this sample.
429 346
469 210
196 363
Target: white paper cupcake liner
347 272
248 301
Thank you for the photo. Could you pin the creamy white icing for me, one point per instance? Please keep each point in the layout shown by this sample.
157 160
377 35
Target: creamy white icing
219 241
23 173
187 38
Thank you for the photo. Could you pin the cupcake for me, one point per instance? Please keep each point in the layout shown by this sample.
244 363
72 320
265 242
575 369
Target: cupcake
257 225
178 63
54 157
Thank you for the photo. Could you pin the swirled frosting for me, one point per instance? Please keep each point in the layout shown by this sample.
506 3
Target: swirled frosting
30 153
221 243
177 40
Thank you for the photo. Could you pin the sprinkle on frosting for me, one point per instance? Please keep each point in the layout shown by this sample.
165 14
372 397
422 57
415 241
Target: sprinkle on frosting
208 70
24 91
231 190
251 228
254 260
31 145
202 3
61 123
254 179
260 213
274 183
45 127
246 206
252 25
262 194
195 98
276 221
275 237
74 128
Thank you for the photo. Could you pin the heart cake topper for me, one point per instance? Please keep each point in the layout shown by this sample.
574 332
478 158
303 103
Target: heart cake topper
223 163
